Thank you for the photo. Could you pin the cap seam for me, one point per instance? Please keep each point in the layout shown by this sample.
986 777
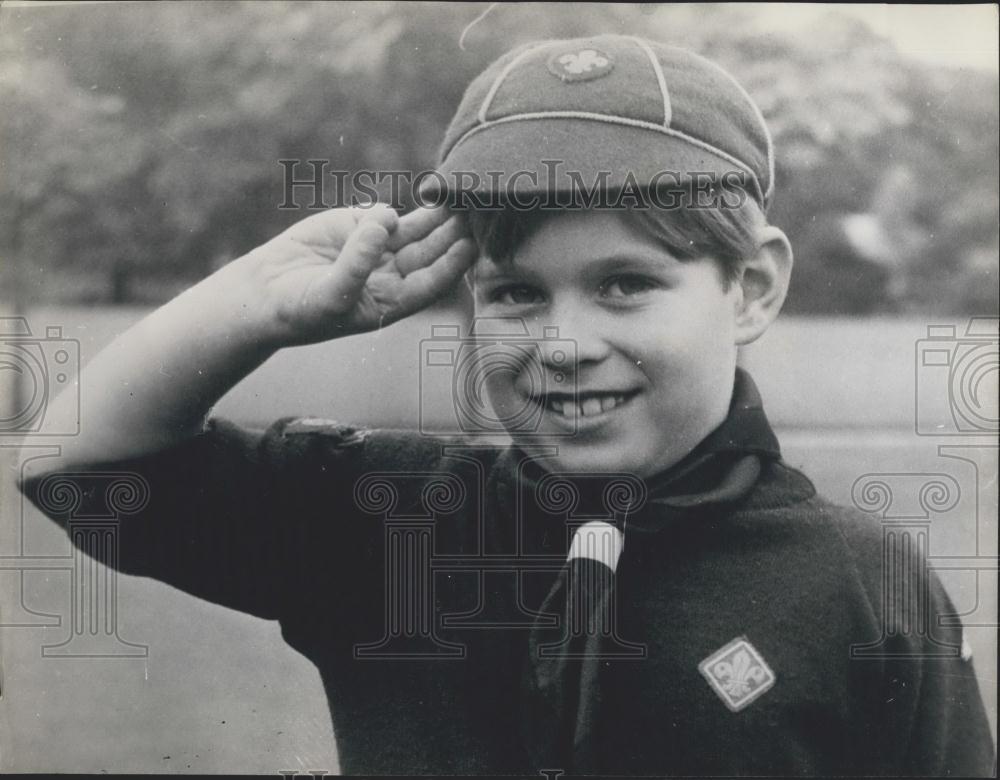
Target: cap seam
668 110
499 80
610 119
760 118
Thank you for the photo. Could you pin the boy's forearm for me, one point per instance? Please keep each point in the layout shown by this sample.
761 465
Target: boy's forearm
153 385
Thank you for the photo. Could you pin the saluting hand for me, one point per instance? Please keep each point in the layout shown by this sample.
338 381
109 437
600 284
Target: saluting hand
351 270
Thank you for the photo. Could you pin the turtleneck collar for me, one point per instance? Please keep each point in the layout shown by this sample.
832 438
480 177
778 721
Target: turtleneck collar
723 467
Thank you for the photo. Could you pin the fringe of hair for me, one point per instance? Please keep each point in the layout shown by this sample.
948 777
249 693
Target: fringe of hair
724 232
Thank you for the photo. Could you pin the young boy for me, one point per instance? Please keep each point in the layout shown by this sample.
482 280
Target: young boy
638 584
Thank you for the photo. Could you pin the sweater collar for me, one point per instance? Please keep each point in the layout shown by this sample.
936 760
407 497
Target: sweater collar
745 431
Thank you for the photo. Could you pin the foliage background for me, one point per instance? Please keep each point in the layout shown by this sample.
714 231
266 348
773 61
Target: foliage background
139 142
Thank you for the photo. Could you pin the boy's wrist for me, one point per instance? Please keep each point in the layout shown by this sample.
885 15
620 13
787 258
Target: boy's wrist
228 303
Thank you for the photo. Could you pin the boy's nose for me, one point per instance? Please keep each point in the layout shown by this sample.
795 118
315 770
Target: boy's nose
572 335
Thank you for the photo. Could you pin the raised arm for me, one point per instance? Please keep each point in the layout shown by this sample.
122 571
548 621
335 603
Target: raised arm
336 273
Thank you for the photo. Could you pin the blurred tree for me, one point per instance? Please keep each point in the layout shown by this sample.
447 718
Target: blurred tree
141 141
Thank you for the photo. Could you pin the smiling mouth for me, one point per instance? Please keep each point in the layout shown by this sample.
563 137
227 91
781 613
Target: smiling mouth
585 404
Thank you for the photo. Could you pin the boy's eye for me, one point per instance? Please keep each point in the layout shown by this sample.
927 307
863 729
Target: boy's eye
626 285
515 295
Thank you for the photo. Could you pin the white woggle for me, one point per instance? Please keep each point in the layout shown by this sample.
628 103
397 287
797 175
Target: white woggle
598 541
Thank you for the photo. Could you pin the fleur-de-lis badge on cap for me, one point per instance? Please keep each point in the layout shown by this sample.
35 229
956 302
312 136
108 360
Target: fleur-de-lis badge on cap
738 673
580 64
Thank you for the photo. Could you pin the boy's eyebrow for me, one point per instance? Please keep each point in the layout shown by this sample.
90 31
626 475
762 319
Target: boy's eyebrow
651 260
660 259
493 270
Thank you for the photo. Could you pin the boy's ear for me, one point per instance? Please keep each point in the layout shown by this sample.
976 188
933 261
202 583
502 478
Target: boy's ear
764 281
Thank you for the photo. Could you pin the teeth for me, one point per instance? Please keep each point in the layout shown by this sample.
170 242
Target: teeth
589 407
565 408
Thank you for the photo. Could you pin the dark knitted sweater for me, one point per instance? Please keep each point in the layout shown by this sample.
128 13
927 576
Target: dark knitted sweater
410 574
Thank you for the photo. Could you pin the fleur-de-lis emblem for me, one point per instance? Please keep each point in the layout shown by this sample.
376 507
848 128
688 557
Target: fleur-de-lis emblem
737 673
582 61
581 64
738 676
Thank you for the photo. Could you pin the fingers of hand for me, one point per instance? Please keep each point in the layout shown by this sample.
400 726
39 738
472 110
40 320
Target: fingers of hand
362 254
381 213
422 253
325 230
426 284
416 225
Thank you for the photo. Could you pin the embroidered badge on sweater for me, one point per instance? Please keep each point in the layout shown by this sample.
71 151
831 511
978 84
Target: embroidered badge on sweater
738 673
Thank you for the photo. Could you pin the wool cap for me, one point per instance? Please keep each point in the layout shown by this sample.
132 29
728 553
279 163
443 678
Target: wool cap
553 114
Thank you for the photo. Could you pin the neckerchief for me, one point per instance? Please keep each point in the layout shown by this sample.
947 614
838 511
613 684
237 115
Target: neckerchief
561 681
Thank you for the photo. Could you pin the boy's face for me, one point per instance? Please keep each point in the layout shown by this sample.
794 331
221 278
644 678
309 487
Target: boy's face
655 343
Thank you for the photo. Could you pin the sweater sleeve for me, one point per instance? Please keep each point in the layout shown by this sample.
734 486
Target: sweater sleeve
230 516
933 721
945 727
